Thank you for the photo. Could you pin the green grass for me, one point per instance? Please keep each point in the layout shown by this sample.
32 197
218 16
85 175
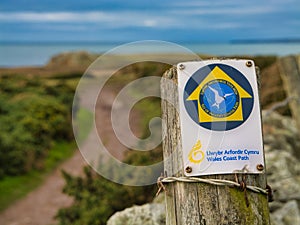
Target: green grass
60 151
15 187
148 108
85 123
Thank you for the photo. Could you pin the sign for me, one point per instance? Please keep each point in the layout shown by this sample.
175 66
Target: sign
220 117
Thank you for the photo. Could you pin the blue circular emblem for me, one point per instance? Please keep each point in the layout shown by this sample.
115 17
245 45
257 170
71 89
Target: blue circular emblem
218 97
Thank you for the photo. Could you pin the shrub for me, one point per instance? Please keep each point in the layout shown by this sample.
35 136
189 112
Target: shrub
96 199
31 119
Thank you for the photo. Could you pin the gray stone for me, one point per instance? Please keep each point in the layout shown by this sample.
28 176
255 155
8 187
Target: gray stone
282 174
282 151
288 215
148 214
290 75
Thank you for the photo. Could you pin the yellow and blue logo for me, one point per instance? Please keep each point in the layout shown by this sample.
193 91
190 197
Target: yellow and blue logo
196 155
218 97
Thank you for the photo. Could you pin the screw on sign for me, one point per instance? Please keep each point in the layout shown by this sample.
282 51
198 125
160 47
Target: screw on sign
218 101
216 136
181 66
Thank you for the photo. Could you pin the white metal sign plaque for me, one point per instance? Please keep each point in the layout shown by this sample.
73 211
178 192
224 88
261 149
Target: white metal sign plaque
220 117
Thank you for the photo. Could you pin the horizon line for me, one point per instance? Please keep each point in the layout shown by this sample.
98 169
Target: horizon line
91 42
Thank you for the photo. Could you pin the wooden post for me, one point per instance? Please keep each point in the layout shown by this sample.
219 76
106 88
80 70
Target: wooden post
290 74
199 203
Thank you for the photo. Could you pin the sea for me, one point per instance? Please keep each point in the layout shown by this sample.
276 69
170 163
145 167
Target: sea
38 54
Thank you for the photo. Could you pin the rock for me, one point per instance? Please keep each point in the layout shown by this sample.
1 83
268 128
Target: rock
280 132
282 169
282 151
289 214
271 90
72 59
282 154
290 75
280 82
148 214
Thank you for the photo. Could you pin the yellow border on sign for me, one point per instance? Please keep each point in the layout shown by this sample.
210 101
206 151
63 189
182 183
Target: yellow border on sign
217 73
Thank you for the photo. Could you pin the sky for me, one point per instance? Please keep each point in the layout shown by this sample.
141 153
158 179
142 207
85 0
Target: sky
168 20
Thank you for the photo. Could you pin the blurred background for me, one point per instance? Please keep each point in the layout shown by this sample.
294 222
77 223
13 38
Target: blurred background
45 48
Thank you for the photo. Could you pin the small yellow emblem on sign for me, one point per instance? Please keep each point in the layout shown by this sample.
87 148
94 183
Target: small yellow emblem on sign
196 155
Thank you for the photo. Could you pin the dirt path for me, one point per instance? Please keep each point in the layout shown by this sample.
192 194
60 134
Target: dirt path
40 206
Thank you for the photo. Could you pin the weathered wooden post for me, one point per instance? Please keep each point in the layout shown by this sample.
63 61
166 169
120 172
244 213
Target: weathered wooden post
212 199
289 67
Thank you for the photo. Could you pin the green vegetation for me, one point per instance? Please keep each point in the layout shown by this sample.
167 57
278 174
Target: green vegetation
85 122
60 151
149 108
36 132
15 187
95 198
33 115
36 135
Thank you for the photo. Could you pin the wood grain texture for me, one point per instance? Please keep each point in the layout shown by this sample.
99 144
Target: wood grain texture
289 67
199 203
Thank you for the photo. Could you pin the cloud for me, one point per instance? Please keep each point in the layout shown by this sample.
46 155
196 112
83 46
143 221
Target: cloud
61 27
225 11
227 4
150 23
174 19
115 19
202 4
54 16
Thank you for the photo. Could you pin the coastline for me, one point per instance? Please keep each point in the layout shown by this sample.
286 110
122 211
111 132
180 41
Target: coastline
39 54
